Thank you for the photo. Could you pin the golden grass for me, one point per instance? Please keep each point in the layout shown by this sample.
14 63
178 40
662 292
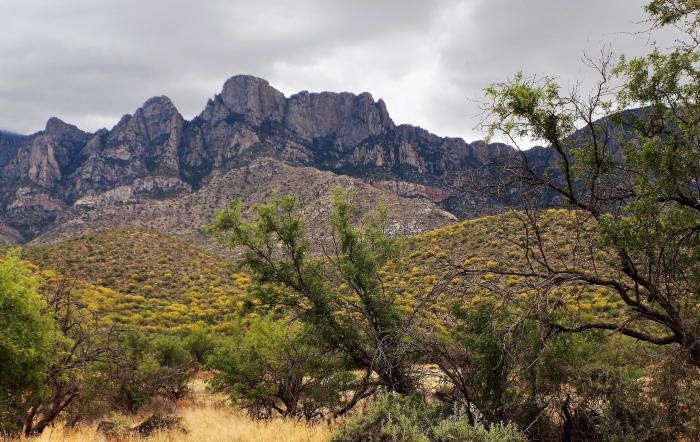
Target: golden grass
207 424
205 417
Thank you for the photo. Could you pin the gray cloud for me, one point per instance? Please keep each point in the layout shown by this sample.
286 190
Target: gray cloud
90 61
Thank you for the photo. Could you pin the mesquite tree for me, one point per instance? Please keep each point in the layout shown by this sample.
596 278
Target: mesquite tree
84 342
632 179
341 295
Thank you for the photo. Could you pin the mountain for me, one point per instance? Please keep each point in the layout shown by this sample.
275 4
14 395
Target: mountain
154 163
9 143
255 181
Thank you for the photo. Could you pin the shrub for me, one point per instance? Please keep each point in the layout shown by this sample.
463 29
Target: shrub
409 418
26 338
170 352
456 428
159 366
275 367
200 343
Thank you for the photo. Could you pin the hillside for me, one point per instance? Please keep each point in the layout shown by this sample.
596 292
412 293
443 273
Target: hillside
162 281
434 257
142 278
257 181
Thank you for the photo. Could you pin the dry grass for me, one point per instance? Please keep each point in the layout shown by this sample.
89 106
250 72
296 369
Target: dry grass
206 418
207 424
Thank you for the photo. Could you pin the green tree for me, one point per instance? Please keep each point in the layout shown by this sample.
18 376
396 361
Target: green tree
635 192
60 361
200 342
277 367
170 352
144 367
84 344
342 297
27 336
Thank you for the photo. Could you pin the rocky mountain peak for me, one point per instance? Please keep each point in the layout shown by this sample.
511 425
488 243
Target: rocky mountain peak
381 107
160 118
156 118
58 129
155 154
347 117
161 104
252 97
145 143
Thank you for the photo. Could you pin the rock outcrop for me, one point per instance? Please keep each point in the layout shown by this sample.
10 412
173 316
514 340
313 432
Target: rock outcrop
154 154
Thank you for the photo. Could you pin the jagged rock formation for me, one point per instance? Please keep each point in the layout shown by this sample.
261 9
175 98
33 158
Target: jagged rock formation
62 174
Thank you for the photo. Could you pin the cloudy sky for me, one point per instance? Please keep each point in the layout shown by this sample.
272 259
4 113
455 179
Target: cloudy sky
90 61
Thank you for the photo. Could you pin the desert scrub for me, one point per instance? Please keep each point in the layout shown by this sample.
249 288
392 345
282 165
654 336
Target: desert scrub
408 418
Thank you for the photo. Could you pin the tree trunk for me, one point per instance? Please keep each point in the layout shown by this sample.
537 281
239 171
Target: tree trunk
693 349
567 430
398 382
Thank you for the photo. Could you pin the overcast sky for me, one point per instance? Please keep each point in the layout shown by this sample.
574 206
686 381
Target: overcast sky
89 62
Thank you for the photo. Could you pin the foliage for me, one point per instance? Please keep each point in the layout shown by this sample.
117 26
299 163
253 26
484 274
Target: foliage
27 337
170 352
81 346
341 298
145 368
158 283
409 418
491 343
276 367
476 332
85 344
636 197
200 343
512 368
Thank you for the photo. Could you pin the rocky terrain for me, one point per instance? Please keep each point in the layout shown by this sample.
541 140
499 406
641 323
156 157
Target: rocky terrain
257 181
156 169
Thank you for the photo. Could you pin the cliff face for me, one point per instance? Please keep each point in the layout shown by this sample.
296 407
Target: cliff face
154 154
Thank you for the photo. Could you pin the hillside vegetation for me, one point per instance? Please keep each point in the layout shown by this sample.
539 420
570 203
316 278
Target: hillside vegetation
160 282
145 279
439 260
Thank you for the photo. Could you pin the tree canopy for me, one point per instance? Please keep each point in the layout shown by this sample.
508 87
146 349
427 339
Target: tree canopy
633 174
27 336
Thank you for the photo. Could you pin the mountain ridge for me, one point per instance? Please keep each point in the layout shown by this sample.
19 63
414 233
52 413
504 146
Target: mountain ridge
155 153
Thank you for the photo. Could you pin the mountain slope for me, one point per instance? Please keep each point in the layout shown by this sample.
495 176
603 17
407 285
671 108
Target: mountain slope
257 181
142 278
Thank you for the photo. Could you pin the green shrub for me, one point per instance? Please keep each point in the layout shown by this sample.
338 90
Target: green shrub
170 352
271 366
409 418
456 428
200 343
26 339
159 366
